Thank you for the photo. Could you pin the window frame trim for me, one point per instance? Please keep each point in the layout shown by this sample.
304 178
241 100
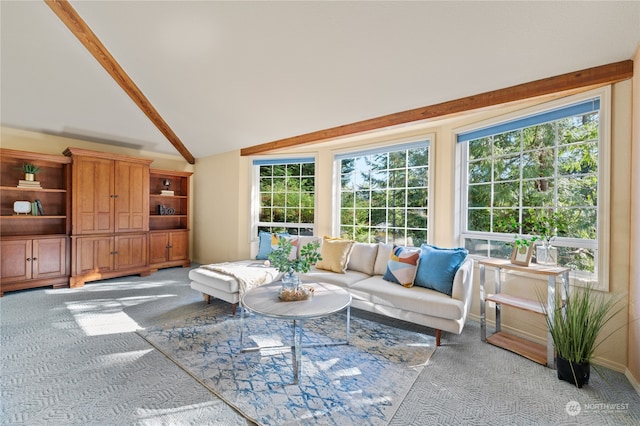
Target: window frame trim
603 242
254 203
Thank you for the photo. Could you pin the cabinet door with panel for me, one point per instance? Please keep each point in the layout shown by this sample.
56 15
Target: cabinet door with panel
131 251
14 263
93 197
49 257
33 262
131 196
170 248
93 255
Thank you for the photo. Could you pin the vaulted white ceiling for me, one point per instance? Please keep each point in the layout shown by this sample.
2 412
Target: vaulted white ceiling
229 75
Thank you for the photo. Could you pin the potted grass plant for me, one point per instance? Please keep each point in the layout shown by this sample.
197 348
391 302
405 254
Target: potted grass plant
575 329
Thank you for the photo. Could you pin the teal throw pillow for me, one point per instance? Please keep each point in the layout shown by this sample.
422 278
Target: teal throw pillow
438 266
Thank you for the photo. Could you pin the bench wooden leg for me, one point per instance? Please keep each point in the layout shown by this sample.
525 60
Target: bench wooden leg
438 334
233 309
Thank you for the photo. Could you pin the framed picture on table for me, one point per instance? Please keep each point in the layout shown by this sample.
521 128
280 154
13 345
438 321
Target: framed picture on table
521 255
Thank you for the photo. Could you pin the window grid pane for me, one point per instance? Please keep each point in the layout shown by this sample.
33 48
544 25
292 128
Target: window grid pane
384 196
287 198
545 167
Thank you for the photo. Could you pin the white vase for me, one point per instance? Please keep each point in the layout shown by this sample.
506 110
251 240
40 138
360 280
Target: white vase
546 254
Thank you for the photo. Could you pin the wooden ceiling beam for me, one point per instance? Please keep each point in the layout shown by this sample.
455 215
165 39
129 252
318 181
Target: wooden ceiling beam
597 76
81 30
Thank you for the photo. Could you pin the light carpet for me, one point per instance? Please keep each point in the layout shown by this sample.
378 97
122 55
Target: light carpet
361 383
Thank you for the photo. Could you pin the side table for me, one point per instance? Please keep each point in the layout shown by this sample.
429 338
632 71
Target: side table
539 353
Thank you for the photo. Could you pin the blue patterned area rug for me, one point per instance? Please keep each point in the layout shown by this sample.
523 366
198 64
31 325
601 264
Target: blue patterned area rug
361 383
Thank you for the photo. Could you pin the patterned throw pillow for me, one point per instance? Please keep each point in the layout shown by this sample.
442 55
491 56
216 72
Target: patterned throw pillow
402 265
438 267
335 254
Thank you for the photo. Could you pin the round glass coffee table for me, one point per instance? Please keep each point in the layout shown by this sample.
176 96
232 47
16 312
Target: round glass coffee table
327 299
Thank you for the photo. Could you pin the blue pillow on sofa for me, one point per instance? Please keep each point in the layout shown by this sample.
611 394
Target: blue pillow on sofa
438 266
267 243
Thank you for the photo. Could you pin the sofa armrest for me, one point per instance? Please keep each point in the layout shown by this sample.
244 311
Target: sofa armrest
463 283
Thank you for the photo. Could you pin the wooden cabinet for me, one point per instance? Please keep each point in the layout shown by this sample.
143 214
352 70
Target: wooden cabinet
169 218
110 221
169 248
33 262
34 248
105 255
109 195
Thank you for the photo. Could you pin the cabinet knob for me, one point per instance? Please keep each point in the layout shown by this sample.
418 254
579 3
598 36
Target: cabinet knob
34 259
28 259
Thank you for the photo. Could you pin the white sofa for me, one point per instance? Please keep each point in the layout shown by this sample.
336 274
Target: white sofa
363 278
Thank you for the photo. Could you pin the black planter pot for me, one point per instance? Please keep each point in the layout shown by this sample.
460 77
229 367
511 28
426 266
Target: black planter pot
572 372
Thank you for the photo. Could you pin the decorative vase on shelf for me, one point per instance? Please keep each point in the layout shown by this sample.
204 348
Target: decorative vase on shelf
546 254
29 176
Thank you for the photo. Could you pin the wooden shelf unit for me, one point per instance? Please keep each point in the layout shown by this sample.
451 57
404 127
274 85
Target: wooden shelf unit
542 354
169 233
34 249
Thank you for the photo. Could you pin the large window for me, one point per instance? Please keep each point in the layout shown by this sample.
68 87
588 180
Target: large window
384 194
285 195
546 163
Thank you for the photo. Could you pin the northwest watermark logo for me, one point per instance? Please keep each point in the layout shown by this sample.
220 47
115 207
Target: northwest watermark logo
573 408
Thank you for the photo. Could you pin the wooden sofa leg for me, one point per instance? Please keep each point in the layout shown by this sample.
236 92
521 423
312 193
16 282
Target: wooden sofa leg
207 298
438 334
233 309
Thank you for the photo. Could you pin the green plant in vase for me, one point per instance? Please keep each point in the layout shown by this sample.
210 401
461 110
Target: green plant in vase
281 259
547 224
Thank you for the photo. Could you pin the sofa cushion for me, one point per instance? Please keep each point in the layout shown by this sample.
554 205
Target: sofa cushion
363 258
335 254
415 299
438 267
384 251
345 280
402 265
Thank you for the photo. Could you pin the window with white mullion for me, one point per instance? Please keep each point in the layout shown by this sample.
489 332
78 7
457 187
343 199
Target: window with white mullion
383 194
285 199
549 161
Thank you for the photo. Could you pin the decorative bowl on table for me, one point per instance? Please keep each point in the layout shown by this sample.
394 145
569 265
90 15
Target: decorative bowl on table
303 292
